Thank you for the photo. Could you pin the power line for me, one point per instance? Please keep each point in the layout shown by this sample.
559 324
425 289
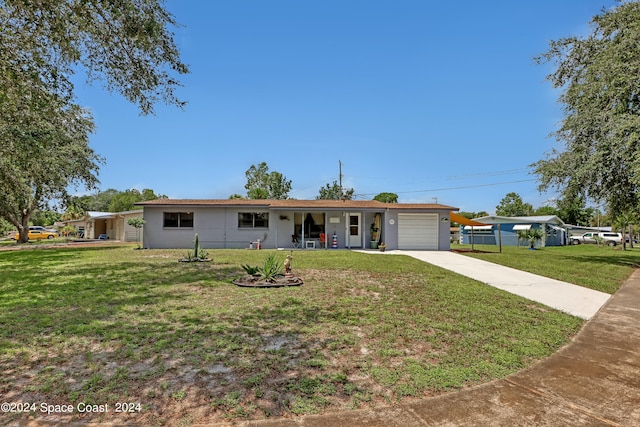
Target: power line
459 188
472 175
464 176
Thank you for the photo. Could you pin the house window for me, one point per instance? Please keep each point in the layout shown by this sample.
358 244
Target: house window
253 220
178 219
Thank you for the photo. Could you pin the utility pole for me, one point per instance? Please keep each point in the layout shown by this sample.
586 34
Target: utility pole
340 177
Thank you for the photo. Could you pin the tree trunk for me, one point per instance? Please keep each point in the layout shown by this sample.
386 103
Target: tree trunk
23 229
23 233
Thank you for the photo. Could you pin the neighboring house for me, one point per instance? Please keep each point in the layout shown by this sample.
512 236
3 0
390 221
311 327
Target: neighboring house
112 225
239 223
506 228
578 230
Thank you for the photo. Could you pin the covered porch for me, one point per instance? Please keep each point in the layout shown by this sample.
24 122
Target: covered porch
307 229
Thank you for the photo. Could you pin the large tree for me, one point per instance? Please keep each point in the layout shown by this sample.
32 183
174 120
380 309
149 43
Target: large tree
262 184
99 201
335 192
574 210
513 205
126 200
44 134
599 79
386 197
44 148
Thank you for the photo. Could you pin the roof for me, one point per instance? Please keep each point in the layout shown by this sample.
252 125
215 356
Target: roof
543 219
106 215
96 214
297 204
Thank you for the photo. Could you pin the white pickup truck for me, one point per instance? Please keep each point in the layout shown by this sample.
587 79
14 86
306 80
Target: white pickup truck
609 238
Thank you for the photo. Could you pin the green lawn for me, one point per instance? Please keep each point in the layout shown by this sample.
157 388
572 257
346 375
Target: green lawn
112 324
602 268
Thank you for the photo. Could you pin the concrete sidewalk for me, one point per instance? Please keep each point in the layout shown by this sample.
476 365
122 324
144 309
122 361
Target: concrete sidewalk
576 300
593 381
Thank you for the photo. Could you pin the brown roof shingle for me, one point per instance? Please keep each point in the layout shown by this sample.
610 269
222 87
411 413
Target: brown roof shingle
295 204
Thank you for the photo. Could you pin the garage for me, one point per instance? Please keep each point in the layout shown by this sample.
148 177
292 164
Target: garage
418 231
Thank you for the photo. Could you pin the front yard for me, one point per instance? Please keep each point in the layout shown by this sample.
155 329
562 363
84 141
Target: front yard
107 325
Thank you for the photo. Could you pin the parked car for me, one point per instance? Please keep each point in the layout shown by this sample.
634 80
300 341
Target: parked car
39 235
609 238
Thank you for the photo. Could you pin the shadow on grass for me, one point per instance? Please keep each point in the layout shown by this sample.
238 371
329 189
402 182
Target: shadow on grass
630 260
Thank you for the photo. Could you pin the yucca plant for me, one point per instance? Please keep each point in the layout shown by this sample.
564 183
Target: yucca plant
271 268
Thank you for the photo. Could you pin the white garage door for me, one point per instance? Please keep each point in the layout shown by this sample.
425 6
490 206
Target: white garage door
418 231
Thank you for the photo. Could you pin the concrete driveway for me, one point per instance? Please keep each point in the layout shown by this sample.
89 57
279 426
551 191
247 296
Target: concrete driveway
576 300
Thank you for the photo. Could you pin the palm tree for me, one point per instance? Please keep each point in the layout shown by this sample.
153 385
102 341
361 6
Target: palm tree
532 235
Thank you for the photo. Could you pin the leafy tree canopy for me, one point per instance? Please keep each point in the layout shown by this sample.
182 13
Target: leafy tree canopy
573 210
512 205
262 184
335 192
545 210
47 217
387 197
600 96
127 44
110 200
94 202
126 200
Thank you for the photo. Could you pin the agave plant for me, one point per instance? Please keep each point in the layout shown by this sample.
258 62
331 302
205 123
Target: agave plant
250 269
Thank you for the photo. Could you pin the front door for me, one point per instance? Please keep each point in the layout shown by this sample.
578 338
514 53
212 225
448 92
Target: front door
354 233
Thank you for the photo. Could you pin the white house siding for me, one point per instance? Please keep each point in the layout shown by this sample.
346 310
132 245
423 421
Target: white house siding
216 228
126 232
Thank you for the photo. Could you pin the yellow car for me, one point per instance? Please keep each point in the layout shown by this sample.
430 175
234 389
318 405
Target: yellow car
39 235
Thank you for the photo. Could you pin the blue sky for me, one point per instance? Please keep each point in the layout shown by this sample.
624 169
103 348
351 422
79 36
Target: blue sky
430 100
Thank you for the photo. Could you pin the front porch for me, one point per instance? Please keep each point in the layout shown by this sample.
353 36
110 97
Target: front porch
329 229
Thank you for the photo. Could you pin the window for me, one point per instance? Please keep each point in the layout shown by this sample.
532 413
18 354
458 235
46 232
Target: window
178 219
253 220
